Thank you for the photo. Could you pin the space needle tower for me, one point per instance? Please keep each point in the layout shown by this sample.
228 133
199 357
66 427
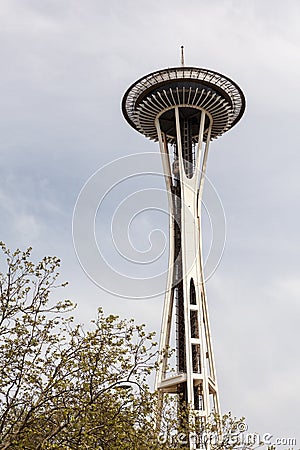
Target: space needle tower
184 109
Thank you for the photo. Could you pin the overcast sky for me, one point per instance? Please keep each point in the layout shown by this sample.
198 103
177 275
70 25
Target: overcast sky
65 65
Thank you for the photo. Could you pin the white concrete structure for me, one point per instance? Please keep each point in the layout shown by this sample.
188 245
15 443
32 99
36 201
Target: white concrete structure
184 108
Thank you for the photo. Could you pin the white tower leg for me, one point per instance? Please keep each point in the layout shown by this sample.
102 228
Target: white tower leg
195 377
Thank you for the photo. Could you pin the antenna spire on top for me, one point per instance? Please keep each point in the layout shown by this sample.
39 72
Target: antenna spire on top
182 56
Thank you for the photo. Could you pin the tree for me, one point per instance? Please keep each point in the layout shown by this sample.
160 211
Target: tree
62 386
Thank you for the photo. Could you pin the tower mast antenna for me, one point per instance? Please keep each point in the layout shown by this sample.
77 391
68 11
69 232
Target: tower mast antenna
182 56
